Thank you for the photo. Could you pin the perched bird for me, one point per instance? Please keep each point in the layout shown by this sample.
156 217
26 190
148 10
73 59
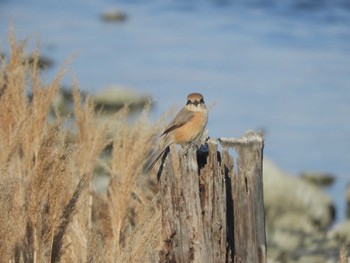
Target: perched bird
187 126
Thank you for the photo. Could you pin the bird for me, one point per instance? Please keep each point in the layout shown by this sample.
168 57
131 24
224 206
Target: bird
187 126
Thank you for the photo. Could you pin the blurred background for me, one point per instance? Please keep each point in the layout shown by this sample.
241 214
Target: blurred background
280 66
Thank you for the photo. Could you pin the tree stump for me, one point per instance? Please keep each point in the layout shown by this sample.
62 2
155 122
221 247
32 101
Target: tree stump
209 213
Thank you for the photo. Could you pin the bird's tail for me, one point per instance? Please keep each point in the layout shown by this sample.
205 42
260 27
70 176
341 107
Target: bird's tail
158 156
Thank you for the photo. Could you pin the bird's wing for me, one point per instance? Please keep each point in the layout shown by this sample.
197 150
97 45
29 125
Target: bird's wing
180 119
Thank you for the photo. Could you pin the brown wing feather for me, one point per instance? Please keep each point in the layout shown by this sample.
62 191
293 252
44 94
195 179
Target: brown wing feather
180 119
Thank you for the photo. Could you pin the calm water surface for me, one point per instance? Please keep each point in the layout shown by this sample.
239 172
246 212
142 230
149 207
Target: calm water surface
283 67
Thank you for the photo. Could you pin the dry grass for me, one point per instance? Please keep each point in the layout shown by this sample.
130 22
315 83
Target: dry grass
48 209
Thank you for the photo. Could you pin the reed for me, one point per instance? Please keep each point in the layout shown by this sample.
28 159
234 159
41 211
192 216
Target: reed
49 211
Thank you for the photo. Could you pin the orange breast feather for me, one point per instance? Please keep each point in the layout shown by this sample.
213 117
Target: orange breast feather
191 129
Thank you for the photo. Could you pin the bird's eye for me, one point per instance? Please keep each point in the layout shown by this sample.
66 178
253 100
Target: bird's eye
188 102
202 101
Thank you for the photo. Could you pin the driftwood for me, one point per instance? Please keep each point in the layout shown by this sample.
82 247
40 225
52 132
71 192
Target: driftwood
209 213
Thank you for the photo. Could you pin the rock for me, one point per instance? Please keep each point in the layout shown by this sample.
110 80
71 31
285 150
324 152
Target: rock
295 221
288 194
295 247
318 178
100 184
341 232
109 100
314 259
115 97
43 62
63 102
287 241
114 15
297 214
61 105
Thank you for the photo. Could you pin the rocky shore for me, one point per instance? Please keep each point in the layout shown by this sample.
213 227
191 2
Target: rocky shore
300 219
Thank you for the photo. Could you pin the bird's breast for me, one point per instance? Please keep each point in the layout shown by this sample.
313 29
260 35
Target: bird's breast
192 129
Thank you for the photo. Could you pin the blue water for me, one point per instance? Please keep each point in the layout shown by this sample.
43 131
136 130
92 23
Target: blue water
283 66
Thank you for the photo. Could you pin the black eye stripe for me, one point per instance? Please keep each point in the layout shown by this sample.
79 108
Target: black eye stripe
195 102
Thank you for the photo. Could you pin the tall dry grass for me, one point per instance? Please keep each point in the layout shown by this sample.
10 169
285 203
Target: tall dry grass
49 211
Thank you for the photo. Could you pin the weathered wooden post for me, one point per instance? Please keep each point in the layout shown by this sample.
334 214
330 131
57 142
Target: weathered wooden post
248 199
205 217
182 226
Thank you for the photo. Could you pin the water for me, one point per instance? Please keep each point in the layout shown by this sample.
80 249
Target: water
280 66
